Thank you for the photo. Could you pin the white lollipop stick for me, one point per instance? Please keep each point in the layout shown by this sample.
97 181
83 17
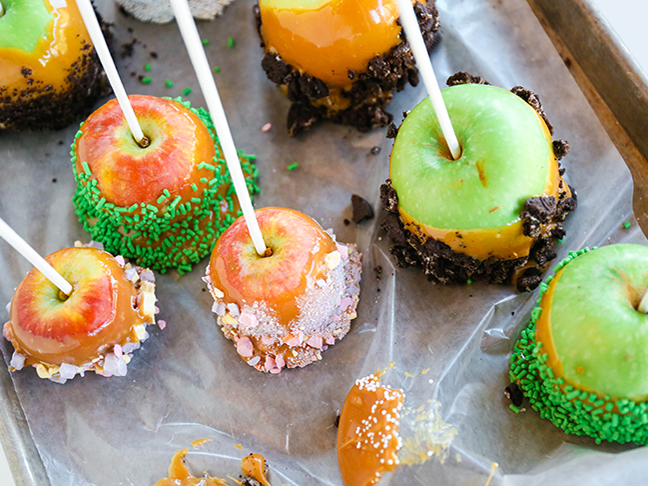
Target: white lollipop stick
100 45
409 23
22 247
198 58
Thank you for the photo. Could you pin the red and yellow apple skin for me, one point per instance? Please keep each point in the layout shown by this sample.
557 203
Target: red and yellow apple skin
128 174
368 440
104 309
283 309
49 72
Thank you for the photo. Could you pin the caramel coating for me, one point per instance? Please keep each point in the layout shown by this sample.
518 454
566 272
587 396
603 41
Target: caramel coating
51 329
367 440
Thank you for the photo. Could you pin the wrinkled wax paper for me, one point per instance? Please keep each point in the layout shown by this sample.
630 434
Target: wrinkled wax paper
449 345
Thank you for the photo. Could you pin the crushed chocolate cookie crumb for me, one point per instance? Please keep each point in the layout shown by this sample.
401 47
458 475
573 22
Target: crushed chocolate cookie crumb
513 393
346 222
529 280
465 78
128 48
392 131
374 150
561 148
533 100
361 209
352 74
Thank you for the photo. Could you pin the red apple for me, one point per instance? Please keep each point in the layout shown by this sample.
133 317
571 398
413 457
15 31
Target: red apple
299 246
128 174
53 329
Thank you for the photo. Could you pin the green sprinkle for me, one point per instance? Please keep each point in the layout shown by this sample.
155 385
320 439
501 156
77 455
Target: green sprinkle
230 42
626 225
169 83
469 281
205 42
186 91
194 187
216 69
146 80
293 166
514 408
147 66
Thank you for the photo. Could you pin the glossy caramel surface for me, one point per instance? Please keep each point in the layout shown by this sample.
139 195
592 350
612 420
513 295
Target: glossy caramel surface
51 329
64 43
127 174
327 39
367 440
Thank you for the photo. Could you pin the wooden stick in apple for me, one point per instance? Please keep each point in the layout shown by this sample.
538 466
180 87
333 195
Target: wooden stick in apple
192 41
94 30
409 23
22 247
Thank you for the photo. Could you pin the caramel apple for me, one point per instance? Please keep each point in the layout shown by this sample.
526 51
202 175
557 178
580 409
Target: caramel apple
49 71
164 204
368 440
493 214
340 59
95 328
283 310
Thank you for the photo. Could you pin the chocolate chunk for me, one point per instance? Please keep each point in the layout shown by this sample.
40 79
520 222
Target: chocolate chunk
392 131
277 71
463 77
513 393
533 100
561 148
529 280
361 209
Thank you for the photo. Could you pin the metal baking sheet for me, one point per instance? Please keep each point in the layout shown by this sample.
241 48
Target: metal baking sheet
448 345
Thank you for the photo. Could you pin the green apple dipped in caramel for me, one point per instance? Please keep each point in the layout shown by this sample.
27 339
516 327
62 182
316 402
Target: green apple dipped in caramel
163 205
492 211
95 328
583 360
49 71
284 309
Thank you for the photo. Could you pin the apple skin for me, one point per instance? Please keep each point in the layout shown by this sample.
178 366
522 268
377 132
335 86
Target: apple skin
51 329
590 327
299 246
128 174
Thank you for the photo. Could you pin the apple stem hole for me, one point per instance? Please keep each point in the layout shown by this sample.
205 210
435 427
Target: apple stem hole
145 142
2 10
643 304
62 296
267 253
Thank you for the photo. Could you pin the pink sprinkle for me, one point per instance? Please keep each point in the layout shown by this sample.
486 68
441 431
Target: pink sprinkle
346 303
248 319
269 363
294 341
275 371
157 309
330 340
266 127
118 351
5 332
315 341
161 324
280 361
244 347
120 260
268 340
344 251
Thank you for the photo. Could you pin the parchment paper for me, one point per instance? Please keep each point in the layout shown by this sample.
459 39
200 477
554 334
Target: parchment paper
187 382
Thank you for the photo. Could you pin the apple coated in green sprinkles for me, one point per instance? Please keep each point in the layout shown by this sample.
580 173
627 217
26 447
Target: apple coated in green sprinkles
576 411
173 234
